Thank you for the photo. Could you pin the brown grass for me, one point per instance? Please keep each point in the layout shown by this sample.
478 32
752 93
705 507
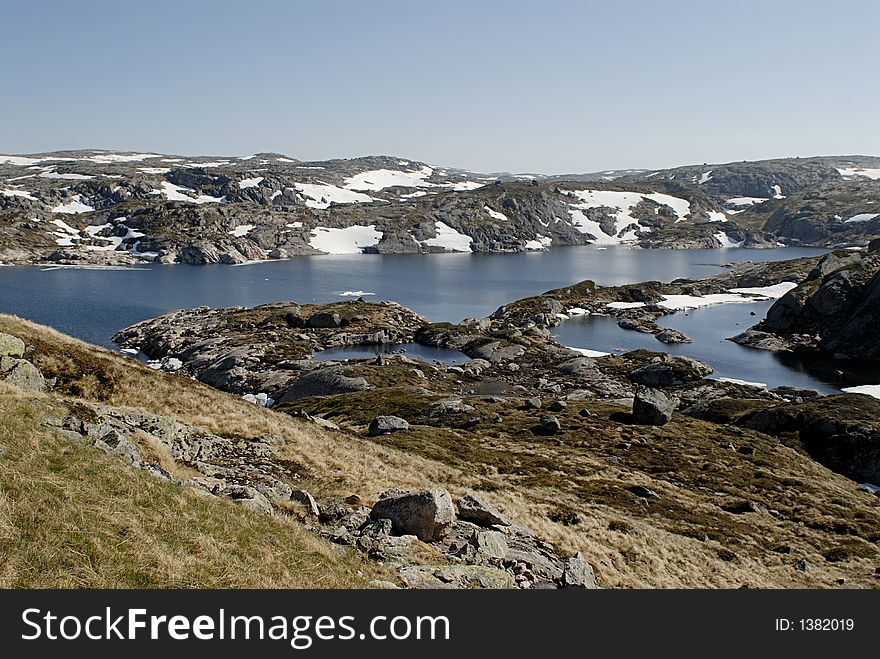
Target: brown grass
686 539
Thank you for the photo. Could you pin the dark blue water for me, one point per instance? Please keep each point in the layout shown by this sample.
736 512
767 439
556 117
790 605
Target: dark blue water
94 304
427 354
710 327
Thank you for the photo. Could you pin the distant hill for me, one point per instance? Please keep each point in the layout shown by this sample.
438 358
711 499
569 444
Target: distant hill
107 207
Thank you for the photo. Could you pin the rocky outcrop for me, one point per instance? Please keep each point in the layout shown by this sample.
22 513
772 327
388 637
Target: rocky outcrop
842 432
426 514
195 211
17 371
836 310
652 407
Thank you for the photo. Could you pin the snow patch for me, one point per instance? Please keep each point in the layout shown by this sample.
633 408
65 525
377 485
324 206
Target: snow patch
350 240
678 302
241 231
250 182
18 193
379 179
586 352
76 206
745 383
868 389
861 217
773 292
726 241
66 177
321 195
118 157
744 201
450 239
625 305
496 214
540 242
177 193
865 172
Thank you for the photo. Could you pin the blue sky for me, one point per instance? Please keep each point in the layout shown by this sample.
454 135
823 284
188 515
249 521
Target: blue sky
542 86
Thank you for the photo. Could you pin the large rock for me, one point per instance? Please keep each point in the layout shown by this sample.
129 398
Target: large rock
496 352
22 374
836 309
578 573
425 514
456 576
842 432
652 407
479 512
670 371
324 382
11 346
325 319
383 425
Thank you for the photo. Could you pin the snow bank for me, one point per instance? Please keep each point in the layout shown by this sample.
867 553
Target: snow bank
450 239
350 240
241 231
18 193
250 182
177 193
746 383
495 214
539 243
867 389
865 172
321 195
586 352
75 206
774 292
625 305
379 179
861 217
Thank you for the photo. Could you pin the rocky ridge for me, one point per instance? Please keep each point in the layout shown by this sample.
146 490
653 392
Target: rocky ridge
835 310
108 208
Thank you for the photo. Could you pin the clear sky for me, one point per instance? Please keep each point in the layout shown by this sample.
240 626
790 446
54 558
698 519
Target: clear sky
536 85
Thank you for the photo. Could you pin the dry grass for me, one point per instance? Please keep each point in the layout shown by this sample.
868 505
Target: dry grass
71 516
662 545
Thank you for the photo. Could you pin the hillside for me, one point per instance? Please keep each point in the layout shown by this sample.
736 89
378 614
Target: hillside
100 207
693 486
823 201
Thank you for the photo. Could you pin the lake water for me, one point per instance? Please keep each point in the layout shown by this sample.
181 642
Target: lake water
93 304
710 327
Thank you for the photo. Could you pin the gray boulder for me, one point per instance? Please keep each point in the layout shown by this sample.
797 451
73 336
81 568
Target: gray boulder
671 336
670 371
383 425
324 382
305 499
577 573
425 514
548 425
652 407
479 512
11 346
22 374
325 319
490 544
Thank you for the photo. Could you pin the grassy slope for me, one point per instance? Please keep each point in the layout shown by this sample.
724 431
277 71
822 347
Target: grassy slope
530 478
